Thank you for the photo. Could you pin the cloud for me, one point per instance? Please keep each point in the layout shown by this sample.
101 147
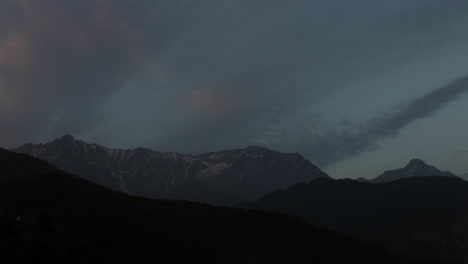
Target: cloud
332 145
60 59
196 76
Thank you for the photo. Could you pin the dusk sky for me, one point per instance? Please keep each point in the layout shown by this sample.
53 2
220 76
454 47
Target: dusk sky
356 86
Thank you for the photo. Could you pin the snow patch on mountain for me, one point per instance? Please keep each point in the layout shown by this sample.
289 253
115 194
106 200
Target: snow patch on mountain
212 170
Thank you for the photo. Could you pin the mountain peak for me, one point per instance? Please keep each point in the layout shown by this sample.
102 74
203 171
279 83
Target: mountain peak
415 168
416 162
67 137
67 141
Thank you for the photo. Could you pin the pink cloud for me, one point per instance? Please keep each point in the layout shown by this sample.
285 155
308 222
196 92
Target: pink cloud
210 102
15 52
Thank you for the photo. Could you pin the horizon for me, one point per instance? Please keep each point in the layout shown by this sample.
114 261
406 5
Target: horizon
462 176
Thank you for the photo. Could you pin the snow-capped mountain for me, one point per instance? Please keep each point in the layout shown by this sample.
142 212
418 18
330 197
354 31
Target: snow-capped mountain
224 177
415 168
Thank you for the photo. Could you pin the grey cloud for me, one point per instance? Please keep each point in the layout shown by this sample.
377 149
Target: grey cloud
332 145
195 76
268 61
61 59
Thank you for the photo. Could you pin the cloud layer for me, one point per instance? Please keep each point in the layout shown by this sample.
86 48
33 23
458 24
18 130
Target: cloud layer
59 60
195 76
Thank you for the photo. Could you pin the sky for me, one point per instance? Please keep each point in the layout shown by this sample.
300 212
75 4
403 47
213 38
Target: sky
357 87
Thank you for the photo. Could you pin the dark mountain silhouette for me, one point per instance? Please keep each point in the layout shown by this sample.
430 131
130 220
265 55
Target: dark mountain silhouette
13 165
59 218
425 217
415 168
225 177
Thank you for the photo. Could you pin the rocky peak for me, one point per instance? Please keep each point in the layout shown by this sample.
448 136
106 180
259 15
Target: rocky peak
415 163
67 141
415 168
65 138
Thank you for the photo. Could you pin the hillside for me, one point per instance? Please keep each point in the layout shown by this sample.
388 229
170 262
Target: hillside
423 217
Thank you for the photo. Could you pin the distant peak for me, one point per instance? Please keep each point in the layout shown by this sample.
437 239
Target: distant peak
416 162
68 137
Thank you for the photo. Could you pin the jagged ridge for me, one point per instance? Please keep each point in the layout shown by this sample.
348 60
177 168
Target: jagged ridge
225 177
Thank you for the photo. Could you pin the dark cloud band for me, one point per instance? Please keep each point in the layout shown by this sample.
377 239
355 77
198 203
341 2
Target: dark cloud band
335 145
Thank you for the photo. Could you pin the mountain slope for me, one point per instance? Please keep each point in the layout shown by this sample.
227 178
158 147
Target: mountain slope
225 177
423 217
415 168
16 166
58 218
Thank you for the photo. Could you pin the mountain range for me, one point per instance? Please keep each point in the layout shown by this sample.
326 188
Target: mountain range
49 216
421 217
225 178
